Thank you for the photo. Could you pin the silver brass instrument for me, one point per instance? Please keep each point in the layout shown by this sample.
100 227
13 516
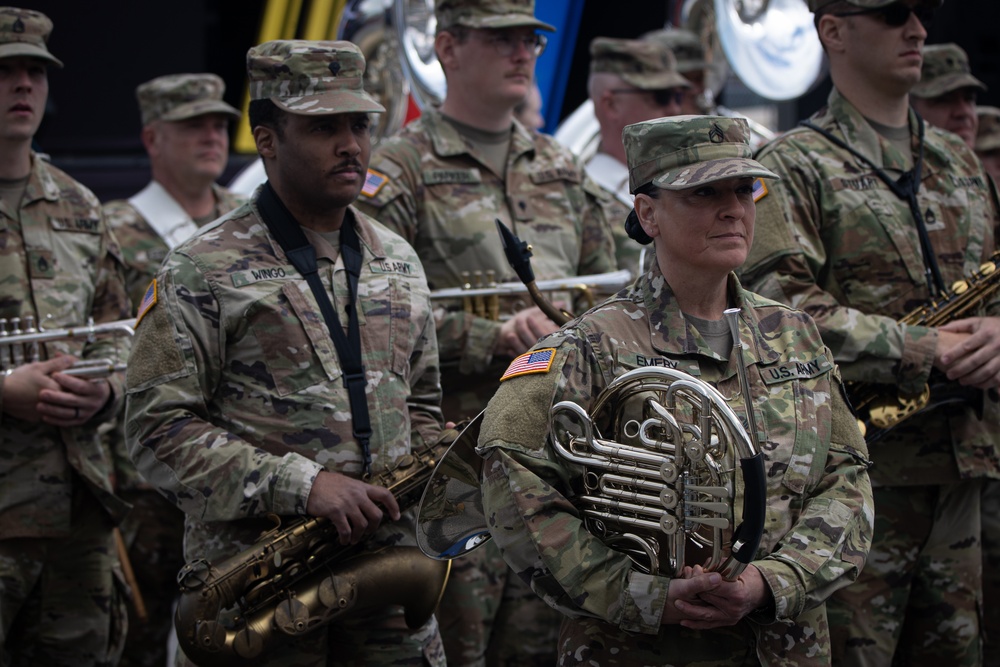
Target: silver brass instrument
663 482
21 346
481 295
298 578
664 478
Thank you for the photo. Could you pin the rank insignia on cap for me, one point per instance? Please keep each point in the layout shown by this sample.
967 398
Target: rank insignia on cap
759 190
535 361
373 183
147 303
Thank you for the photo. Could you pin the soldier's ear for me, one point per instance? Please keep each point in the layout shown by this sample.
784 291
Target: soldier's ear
644 206
148 136
831 32
444 46
266 139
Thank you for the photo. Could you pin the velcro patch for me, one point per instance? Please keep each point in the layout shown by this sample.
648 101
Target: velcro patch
796 370
533 361
759 190
251 276
440 176
391 266
373 183
148 301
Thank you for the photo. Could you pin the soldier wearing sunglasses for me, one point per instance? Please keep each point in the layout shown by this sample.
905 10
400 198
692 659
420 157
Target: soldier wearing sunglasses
630 81
876 214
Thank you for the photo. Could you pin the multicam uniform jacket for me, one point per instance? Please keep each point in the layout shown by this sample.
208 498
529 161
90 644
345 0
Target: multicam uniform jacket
832 239
819 502
425 184
144 249
235 393
61 265
142 246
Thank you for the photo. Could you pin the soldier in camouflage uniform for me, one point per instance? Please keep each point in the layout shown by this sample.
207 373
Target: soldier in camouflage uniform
61 597
988 140
946 98
441 183
692 177
630 81
835 240
186 133
946 94
237 403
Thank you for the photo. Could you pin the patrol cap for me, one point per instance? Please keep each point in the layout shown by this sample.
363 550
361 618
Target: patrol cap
25 32
815 5
647 65
488 14
181 96
680 152
306 77
946 68
988 136
685 45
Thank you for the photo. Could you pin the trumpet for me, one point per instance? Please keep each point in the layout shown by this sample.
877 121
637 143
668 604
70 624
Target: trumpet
21 346
481 294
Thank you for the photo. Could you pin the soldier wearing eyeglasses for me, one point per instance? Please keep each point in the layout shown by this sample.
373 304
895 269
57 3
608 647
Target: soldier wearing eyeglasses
630 81
878 213
441 183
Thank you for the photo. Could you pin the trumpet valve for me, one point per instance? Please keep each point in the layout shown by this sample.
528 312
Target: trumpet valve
32 347
16 351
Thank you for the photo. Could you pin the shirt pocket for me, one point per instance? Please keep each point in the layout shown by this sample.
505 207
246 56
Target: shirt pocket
793 448
392 327
294 342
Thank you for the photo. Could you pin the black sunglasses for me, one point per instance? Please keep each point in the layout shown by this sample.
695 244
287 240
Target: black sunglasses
896 14
663 96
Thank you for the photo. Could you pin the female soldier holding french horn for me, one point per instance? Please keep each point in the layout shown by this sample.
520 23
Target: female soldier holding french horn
615 504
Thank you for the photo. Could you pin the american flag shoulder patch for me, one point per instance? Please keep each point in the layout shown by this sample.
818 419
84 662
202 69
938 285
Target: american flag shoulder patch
147 303
373 183
535 361
759 190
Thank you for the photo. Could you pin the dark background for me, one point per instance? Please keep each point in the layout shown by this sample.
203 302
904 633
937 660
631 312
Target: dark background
110 46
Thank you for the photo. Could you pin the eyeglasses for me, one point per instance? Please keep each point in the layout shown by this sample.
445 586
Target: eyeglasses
506 44
896 14
663 97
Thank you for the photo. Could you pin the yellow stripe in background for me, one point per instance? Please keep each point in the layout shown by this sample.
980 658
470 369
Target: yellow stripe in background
280 20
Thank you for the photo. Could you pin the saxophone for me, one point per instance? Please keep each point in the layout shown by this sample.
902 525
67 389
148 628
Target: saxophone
298 578
880 410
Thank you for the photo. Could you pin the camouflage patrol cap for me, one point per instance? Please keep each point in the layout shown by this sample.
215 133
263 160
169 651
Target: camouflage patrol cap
488 14
988 136
24 32
946 68
686 46
644 64
815 5
181 96
306 78
680 152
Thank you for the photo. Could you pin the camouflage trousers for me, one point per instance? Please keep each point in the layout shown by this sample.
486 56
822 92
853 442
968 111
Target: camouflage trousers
381 640
588 642
154 533
490 617
917 601
62 599
991 572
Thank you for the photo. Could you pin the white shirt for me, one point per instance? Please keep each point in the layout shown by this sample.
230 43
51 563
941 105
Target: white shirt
164 214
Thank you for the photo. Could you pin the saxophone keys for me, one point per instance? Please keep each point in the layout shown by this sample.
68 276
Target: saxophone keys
338 593
291 616
248 643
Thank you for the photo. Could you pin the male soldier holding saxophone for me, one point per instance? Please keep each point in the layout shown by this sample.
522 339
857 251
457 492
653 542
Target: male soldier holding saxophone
247 398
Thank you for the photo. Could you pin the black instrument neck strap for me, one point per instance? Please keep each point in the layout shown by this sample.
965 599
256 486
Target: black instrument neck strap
287 231
906 188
